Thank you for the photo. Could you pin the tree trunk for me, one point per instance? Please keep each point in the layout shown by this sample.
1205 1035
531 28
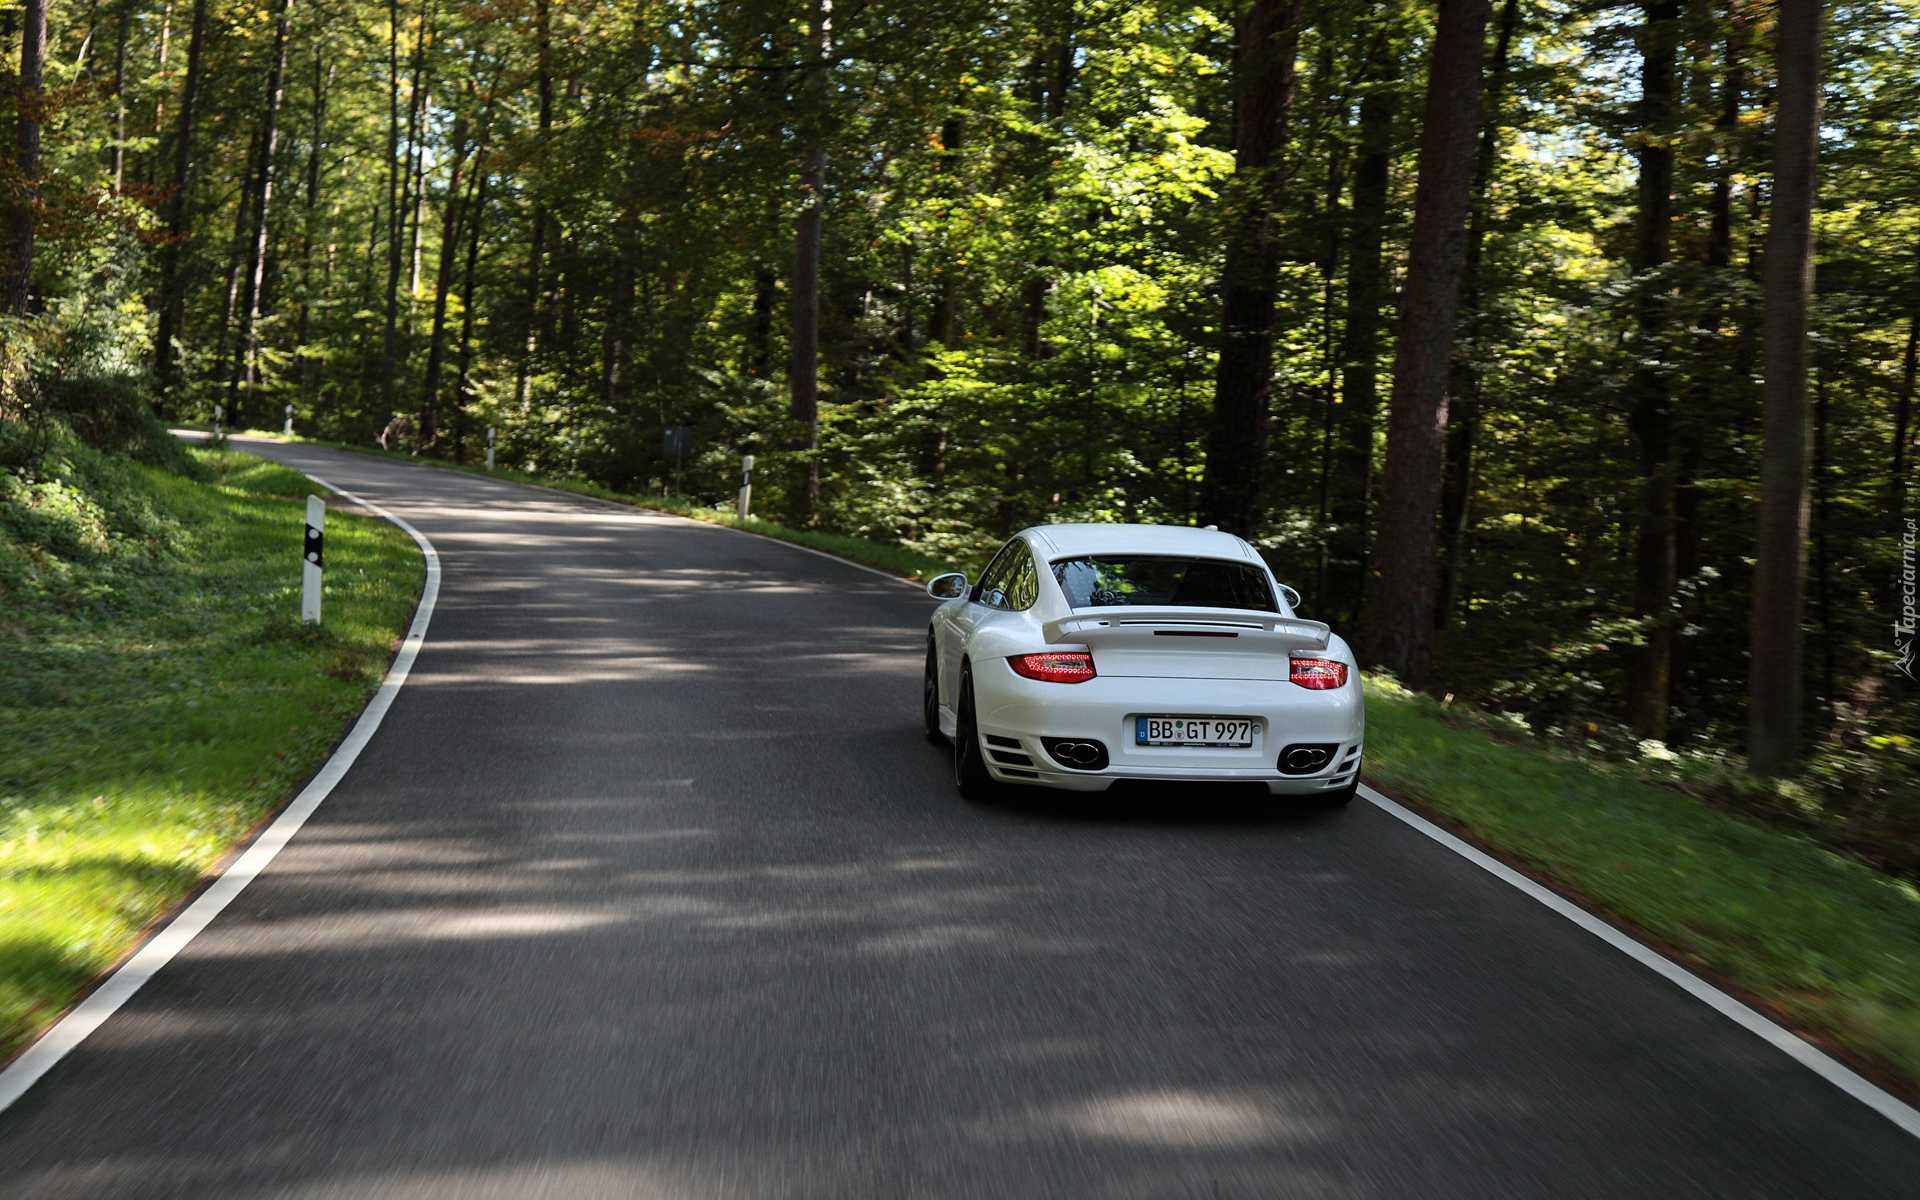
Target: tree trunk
315 144
1692 425
1650 664
1400 602
159 101
443 282
804 383
119 159
240 382
940 321
172 302
418 107
26 204
1780 545
1903 424
1334 110
1360 343
760 338
615 346
537 252
1464 391
389 365
464 391
237 248
1243 378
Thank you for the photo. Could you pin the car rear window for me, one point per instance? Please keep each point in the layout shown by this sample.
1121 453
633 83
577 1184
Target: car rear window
1107 580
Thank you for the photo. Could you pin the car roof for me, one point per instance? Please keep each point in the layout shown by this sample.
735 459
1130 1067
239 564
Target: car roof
1069 540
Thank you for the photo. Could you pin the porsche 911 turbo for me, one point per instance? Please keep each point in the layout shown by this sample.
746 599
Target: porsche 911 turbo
1089 654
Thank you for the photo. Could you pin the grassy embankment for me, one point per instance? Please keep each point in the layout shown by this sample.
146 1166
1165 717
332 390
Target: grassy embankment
160 697
1811 934
1814 936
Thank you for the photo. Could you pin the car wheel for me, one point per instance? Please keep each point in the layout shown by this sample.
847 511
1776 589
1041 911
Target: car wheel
1339 798
969 766
930 697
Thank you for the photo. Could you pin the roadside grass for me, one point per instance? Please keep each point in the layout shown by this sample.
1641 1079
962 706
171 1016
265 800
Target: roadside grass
892 559
157 707
1821 938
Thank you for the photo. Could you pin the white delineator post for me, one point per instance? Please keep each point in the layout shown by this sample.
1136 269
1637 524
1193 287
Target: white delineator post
288 431
745 505
311 559
489 447
219 415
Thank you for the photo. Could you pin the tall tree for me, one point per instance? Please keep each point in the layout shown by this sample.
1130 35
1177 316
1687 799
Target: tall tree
1464 385
316 143
537 252
1360 338
240 382
1903 423
1243 378
26 202
804 381
389 358
453 213
1780 544
477 211
1400 600
1649 679
172 301
117 161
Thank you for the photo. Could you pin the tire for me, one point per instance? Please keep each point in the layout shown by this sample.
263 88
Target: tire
1340 798
970 773
930 697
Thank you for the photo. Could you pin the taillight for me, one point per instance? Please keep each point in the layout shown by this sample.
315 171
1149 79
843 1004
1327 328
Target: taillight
1320 674
1063 666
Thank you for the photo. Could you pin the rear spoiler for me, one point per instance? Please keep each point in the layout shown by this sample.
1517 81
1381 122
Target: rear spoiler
1296 632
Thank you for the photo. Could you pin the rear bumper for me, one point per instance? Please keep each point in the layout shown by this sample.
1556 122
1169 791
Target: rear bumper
1024 711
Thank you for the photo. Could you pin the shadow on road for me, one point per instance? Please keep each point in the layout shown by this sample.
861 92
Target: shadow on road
1148 805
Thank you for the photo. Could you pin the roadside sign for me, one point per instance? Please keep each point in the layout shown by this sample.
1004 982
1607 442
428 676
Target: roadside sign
676 440
312 561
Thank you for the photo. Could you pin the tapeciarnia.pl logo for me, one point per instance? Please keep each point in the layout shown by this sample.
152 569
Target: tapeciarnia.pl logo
1903 628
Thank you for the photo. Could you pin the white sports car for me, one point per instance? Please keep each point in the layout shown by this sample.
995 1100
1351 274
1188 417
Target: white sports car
1088 654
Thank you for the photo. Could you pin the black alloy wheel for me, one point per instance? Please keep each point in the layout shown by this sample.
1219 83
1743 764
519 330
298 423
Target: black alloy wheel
930 696
969 765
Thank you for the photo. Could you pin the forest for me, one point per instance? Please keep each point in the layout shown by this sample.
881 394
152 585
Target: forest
1561 353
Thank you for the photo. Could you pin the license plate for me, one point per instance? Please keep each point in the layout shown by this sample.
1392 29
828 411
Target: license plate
1194 731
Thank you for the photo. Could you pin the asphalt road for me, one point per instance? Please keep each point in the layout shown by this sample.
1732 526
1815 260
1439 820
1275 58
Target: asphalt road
649 887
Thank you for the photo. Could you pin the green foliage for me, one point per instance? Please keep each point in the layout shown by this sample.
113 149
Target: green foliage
160 697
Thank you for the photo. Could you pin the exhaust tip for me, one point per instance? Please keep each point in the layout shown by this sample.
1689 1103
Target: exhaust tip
1081 754
1306 758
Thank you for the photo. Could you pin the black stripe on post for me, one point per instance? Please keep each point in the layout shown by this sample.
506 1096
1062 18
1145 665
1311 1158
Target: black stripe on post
314 549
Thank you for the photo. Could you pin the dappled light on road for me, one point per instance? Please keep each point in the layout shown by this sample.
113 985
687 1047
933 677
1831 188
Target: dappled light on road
650 887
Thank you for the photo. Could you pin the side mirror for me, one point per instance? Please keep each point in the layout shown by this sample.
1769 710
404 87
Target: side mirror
1293 597
950 586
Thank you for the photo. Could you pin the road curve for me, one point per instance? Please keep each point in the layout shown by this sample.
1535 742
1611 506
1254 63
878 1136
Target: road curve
648 887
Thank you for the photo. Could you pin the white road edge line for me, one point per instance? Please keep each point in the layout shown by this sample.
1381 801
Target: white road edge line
105 1000
1785 1040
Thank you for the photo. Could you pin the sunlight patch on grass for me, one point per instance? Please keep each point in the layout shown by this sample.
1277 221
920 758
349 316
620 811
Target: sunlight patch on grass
148 724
